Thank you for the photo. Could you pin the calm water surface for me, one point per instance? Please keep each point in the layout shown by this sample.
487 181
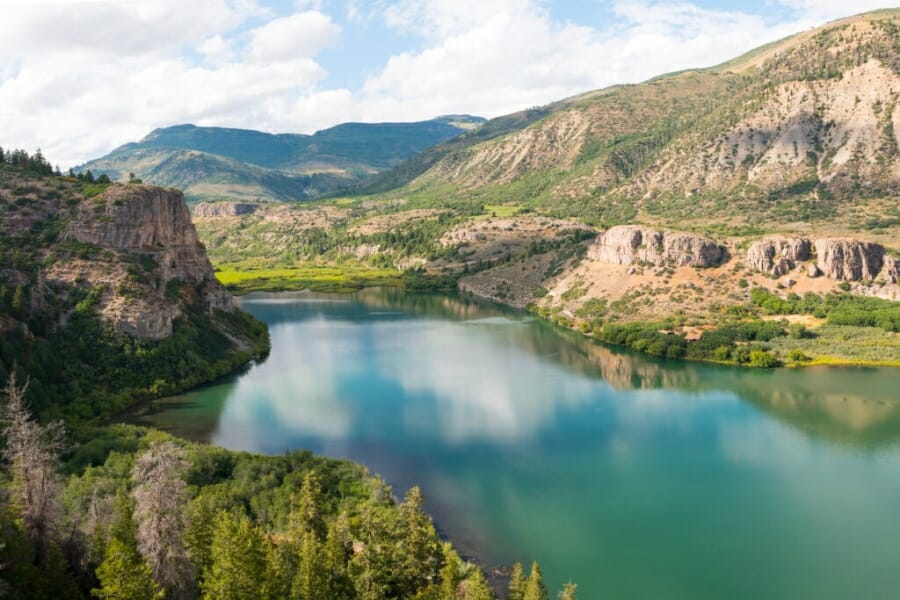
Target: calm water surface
634 478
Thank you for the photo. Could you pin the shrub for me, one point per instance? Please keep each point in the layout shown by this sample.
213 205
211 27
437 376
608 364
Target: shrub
798 356
762 359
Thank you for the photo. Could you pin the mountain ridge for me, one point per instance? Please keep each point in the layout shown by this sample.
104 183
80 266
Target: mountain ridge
218 162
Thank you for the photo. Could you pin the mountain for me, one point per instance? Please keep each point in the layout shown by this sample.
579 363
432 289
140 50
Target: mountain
805 130
213 162
107 295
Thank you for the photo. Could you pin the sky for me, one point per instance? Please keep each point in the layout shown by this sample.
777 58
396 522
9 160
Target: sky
79 78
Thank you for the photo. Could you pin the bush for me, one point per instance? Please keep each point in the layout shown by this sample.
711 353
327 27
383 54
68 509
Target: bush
762 359
798 356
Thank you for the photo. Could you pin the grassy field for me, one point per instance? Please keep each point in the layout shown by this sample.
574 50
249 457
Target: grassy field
502 210
844 345
317 278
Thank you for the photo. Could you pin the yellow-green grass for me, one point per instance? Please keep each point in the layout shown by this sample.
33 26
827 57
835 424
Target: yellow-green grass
317 278
502 210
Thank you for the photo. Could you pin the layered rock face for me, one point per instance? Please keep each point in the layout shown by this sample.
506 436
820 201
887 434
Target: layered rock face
778 256
151 226
849 260
841 259
224 209
627 244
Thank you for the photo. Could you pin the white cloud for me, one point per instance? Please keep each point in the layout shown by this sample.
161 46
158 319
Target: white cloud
118 70
79 78
301 34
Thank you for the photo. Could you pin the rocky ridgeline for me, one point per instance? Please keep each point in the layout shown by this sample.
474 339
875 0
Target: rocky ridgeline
627 244
224 209
840 259
152 227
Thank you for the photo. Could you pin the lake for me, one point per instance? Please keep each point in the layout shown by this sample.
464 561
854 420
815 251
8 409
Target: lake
634 478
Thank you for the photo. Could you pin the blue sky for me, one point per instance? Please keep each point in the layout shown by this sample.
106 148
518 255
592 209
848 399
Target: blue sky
78 78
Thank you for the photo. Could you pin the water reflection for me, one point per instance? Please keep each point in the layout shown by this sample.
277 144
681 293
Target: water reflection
637 478
484 372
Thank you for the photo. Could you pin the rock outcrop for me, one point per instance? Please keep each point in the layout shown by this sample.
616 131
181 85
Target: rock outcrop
849 260
627 244
891 269
224 209
778 256
151 228
841 259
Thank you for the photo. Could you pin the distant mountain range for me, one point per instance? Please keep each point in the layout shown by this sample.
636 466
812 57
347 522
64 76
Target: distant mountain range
210 163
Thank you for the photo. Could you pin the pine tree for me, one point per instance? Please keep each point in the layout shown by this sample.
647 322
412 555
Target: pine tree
281 567
476 587
306 514
238 560
338 543
311 581
125 575
450 574
420 556
568 592
370 566
534 589
517 582
201 513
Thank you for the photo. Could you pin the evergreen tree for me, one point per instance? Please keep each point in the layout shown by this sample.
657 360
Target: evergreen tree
311 581
568 592
306 514
517 582
201 513
450 574
125 575
370 566
420 557
534 589
238 560
476 587
338 544
281 568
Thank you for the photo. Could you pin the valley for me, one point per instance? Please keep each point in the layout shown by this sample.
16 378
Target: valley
667 205
645 337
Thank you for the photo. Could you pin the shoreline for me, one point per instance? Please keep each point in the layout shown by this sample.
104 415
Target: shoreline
265 284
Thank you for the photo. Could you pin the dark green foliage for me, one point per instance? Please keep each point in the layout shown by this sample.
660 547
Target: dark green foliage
643 337
85 369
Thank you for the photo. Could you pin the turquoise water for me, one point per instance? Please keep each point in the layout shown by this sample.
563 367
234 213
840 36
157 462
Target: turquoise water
634 478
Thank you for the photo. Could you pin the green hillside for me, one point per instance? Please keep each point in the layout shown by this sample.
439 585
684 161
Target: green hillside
804 130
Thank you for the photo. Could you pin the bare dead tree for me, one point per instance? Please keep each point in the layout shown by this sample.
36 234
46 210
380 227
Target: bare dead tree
32 453
158 478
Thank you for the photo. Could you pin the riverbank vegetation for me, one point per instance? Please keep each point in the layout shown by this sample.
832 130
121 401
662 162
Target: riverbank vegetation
132 513
848 330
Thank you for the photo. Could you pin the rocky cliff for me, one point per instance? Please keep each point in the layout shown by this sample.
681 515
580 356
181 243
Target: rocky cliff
163 267
208 210
840 259
627 244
